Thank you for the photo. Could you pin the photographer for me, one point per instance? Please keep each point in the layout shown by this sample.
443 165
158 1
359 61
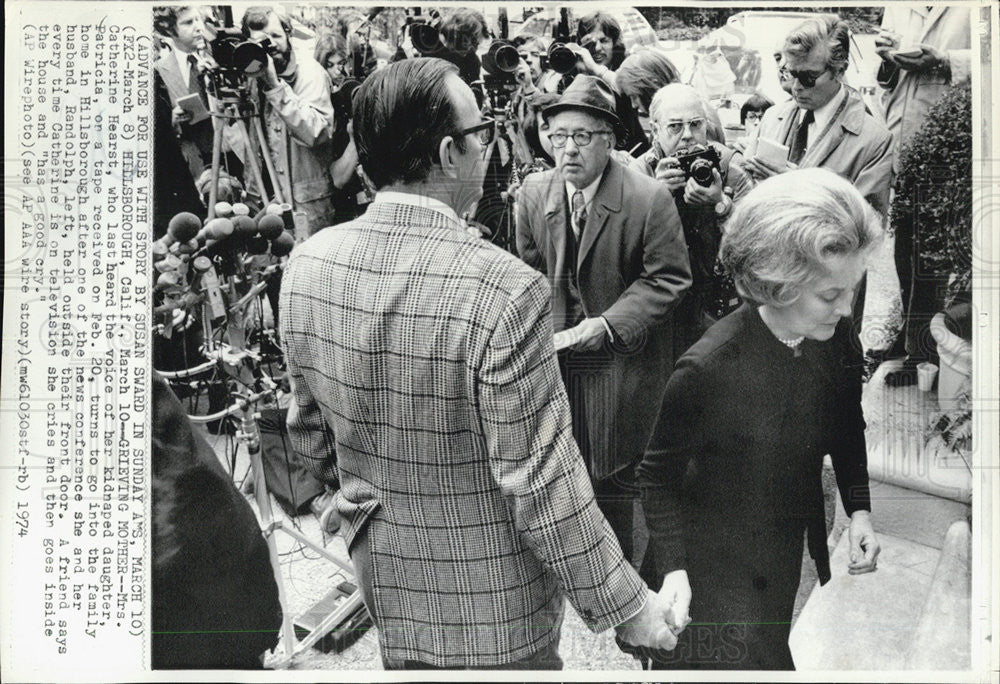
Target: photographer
679 120
462 31
297 116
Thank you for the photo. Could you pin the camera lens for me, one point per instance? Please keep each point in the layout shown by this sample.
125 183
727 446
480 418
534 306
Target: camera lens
561 58
701 171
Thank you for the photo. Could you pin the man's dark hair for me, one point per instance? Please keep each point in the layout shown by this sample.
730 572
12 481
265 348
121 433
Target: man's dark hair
401 113
256 18
755 103
165 19
529 121
609 27
463 30
645 72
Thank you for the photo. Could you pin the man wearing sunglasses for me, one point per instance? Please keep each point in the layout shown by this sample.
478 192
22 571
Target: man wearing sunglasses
826 123
424 379
610 241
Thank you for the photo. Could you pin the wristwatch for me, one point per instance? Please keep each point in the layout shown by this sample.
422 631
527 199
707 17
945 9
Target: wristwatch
723 206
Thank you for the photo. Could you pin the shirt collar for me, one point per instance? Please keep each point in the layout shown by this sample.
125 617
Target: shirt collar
588 192
822 115
421 201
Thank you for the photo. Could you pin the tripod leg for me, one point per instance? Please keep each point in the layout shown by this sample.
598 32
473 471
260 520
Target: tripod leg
263 498
254 165
213 188
265 152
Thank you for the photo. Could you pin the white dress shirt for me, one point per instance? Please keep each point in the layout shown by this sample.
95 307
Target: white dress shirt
822 116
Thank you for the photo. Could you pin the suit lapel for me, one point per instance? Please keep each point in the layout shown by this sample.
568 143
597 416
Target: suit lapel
172 78
848 123
555 220
932 18
608 199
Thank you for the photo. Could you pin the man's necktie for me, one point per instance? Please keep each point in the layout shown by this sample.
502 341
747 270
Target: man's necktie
579 213
193 74
801 137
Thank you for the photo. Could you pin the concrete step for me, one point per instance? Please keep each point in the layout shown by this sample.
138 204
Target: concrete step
901 450
942 639
865 622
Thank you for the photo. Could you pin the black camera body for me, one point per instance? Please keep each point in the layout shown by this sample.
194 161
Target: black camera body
697 162
233 52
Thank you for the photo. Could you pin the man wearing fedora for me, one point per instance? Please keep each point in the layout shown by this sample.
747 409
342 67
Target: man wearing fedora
610 242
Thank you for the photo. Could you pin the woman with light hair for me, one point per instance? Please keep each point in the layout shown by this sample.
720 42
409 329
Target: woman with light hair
731 478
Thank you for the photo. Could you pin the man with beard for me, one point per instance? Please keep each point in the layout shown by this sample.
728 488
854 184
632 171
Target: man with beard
297 114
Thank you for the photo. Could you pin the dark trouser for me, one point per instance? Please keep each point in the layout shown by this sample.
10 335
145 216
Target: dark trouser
545 659
922 295
616 496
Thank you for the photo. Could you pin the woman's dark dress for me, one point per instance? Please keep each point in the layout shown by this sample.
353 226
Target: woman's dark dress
732 479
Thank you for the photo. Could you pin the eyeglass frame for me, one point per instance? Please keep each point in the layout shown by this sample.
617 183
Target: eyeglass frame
588 134
486 124
806 78
701 120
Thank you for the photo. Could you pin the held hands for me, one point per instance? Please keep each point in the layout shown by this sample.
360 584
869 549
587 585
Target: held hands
676 592
864 545
650 628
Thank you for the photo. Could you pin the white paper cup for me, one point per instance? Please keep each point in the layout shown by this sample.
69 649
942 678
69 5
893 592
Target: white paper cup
926 372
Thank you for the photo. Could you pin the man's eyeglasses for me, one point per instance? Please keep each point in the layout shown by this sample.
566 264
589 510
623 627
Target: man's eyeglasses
806 78
580 138
485 131
676 127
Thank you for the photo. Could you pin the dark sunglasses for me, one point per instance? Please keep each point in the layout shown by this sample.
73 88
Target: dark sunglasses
806 78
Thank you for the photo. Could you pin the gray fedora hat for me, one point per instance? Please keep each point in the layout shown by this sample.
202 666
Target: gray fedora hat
591 95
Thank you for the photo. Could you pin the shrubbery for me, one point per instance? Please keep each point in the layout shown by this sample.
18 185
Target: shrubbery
934 189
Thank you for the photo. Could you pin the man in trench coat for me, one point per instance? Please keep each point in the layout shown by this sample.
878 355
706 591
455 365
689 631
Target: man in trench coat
610 241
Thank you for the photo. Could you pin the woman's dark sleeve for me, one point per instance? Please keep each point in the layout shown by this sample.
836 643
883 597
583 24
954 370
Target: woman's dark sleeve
676 438
848 449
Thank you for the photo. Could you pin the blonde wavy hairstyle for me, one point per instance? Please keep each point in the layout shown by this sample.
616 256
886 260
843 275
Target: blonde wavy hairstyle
781 235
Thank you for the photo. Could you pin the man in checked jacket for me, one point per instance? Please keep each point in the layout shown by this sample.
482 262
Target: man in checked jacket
425 380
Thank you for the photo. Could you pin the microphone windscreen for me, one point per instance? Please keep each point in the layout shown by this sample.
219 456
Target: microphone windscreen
223 209
270 226
184 226
219 228
257 244
244 226
283 244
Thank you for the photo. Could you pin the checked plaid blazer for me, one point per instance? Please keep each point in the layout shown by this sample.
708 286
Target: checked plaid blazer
425 379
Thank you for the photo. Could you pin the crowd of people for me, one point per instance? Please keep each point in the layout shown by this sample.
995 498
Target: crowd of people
674 319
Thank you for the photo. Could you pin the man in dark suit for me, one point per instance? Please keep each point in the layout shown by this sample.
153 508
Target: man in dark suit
610 241
176 74
423 375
